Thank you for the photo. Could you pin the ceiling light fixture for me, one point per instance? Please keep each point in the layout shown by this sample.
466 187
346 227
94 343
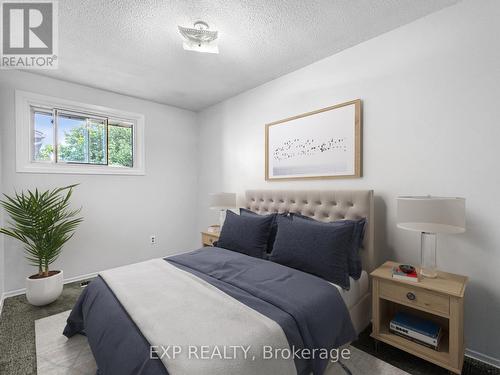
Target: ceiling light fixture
199 38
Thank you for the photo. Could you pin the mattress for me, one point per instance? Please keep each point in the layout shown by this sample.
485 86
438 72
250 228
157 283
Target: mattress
358 290
358 301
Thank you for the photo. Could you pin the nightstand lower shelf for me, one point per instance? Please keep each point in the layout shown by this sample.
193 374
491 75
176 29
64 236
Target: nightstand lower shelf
440 357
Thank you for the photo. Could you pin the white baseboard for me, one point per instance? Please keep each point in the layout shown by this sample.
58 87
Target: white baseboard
495 362
18 292
13 293
80 277
2 297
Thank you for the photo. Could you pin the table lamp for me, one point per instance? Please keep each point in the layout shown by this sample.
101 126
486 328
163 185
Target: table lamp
430 215
222 202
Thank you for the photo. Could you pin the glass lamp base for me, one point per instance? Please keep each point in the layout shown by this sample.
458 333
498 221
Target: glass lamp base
428 255
429 273
222 218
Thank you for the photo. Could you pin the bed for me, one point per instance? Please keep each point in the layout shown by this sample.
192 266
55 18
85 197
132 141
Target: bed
330 205
136 317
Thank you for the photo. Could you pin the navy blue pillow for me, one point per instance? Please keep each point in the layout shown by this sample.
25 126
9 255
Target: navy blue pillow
274 225
354 258
314 247
245 234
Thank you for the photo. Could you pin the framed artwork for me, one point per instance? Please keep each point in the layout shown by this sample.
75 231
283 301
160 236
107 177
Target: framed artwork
321 144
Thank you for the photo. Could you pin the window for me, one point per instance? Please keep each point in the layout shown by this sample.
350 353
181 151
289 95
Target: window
120 144
81 139
67 137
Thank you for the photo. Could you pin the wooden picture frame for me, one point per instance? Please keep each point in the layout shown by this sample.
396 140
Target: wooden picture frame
321 144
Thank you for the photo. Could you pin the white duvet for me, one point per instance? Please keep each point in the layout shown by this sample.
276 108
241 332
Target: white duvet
173 308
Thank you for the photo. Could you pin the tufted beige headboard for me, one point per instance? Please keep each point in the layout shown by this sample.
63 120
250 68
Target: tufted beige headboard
324 205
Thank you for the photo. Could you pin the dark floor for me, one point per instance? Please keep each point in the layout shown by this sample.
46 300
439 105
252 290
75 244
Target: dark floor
17 340
17 330
415 365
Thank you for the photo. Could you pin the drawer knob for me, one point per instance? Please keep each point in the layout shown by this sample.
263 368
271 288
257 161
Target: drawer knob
411 296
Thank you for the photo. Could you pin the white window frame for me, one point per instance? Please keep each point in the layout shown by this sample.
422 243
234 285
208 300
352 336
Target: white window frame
24 130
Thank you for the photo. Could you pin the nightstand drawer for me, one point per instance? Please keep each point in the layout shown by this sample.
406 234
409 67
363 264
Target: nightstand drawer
422 298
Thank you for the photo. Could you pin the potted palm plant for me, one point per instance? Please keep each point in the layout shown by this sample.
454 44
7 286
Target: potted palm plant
43 222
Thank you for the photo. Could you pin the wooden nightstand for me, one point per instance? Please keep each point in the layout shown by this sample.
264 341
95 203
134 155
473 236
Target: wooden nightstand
440 300
208 238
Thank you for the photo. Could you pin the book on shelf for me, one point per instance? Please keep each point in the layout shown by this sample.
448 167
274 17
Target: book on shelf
417 329
400 275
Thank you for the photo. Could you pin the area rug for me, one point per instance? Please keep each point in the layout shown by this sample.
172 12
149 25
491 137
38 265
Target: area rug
55 354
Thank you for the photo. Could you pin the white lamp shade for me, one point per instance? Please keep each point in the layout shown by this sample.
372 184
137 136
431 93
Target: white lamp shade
431 214
222 200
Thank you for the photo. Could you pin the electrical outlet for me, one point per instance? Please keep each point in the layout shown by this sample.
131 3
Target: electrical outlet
152 239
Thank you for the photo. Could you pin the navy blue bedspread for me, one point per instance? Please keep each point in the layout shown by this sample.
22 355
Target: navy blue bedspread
310 311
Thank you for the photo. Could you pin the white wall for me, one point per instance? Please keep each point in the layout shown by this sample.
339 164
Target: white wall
430 92
120 212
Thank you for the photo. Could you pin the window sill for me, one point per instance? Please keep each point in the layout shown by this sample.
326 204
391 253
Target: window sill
78 169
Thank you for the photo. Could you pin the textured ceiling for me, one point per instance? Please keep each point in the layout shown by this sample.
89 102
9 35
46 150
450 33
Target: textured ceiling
133 47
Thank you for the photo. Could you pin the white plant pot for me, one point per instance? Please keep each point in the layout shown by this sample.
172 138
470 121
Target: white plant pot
43 291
